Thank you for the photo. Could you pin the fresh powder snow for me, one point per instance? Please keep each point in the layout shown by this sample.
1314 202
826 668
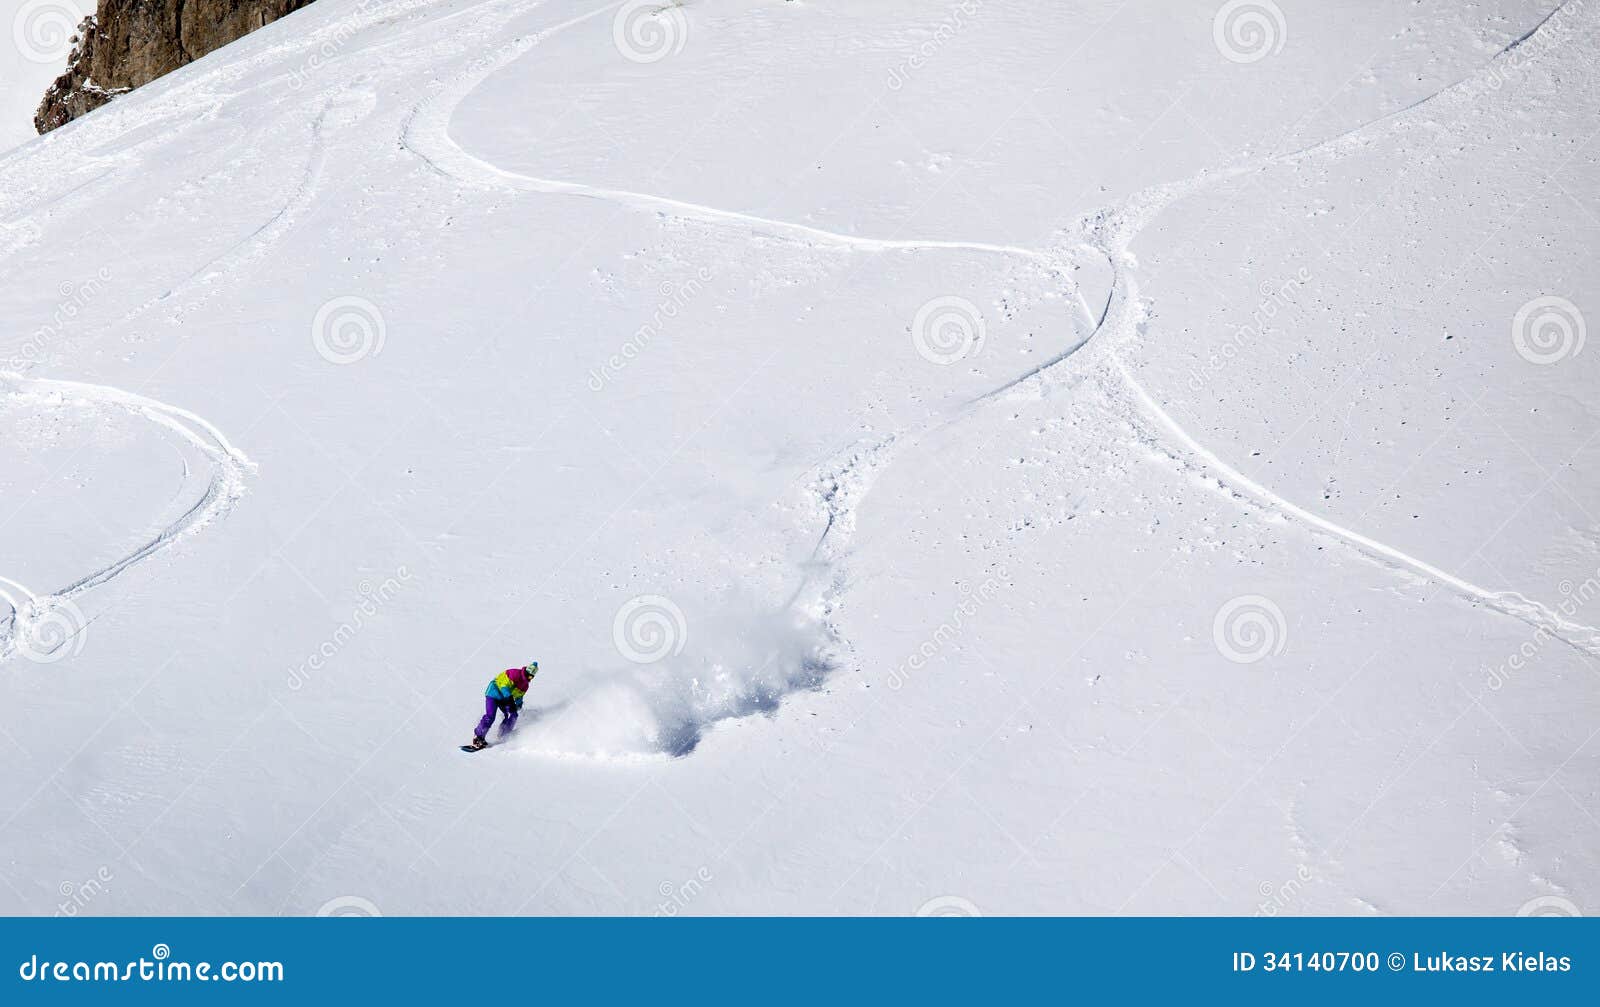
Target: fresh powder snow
993 457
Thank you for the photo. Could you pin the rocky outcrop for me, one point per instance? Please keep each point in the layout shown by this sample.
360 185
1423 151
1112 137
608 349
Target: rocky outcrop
127 43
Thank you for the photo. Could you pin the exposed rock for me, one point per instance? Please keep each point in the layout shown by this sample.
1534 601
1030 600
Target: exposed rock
127 43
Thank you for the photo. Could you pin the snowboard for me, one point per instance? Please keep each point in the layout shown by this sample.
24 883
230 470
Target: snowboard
469 748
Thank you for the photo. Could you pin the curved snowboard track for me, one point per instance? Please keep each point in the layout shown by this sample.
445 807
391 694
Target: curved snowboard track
1112 231
51 619
1108 232
1512 603
426 133
224 486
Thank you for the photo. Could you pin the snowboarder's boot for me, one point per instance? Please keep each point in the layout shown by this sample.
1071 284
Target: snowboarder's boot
478 743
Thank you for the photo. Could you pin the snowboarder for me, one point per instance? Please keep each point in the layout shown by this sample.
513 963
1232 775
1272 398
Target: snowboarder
504 696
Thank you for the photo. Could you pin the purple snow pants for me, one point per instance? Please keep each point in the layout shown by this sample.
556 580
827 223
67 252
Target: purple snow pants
490 705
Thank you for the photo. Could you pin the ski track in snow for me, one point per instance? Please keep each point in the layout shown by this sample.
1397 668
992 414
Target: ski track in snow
1511 603
40 619
426 133
1108 232
841 483
51 619
40 615
1114 232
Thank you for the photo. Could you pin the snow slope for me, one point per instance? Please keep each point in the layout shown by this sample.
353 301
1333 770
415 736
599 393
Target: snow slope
1038 458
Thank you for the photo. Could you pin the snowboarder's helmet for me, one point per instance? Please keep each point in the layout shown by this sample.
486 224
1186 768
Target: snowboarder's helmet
532 668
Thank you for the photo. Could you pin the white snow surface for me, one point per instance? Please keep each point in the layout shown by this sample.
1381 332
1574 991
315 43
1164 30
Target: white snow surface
1012 457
